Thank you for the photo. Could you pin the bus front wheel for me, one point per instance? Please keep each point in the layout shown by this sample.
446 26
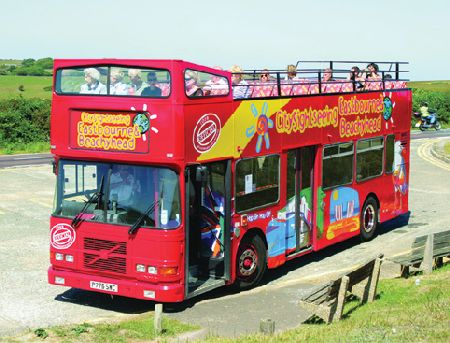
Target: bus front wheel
369 219
250 262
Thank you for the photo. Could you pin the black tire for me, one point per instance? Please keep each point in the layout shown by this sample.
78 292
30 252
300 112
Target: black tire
421 127
251 262
369 219
437 126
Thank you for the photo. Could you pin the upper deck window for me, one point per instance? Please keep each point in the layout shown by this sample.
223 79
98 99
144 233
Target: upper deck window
202 84
115 81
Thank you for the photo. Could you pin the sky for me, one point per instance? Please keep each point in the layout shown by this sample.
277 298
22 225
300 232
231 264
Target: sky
250 33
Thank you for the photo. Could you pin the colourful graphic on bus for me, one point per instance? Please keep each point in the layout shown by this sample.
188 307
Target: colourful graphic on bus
344 212
263 124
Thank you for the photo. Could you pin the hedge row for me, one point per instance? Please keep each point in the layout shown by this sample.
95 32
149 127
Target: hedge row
28 120
24 121
437 101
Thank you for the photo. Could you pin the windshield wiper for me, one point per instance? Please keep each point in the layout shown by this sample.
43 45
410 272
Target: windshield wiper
95 197
139 221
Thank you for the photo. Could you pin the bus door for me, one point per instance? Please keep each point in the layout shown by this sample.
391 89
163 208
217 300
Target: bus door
300 165
208 218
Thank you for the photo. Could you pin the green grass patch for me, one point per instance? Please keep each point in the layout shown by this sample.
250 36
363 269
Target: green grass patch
138 329
31 86
404 312
434 86
447 149
25 148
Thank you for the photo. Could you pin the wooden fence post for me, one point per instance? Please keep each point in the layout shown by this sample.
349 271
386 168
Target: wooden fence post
373 281
341 298
158 318
427 262
267 326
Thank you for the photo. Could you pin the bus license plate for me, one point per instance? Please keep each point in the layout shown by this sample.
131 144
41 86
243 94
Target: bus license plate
110 287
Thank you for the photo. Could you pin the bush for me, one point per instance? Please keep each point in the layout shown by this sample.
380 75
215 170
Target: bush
24 121
437 101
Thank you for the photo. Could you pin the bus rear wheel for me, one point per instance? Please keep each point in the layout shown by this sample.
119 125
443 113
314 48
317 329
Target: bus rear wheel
369 219
250 262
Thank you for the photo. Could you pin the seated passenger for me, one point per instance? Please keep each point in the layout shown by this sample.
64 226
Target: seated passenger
356 78
327 75
152 89
240 86
291 73
190 82
372 72
93 84
264 77
137 85
117 87
217 84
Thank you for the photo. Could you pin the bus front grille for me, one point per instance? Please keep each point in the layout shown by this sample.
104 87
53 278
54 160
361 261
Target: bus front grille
104 255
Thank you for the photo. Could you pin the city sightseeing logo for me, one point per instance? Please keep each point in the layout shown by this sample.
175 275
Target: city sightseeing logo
206 132
62 236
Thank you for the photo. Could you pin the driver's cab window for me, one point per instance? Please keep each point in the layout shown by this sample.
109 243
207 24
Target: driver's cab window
202 84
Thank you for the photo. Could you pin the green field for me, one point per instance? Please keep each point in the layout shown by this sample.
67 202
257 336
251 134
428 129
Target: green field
33 86
434 86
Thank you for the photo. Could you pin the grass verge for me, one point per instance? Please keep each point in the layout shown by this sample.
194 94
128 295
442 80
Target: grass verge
447 149
403 312
25 148
138 329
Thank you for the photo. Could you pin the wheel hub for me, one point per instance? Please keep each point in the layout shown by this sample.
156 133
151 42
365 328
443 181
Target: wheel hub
247 262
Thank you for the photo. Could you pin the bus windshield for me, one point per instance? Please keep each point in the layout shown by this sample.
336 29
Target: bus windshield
124 193
113 81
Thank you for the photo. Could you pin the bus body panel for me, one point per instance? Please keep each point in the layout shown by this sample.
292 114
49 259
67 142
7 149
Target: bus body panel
185 131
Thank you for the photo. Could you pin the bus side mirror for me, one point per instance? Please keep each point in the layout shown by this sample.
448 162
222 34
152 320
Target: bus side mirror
202 175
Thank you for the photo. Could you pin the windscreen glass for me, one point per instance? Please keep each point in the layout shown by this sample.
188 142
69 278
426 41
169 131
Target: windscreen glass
118 194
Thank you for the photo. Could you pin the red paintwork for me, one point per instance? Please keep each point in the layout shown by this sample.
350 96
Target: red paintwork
178 119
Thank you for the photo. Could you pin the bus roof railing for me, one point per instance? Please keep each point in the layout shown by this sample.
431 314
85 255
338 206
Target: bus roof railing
278 81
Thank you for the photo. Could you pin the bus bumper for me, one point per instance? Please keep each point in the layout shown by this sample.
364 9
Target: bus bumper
126 288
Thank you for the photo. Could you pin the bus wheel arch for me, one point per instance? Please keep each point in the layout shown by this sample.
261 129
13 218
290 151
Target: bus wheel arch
251 259
369 217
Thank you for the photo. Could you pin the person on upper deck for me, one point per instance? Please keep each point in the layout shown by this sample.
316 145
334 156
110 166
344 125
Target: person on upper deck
117 87
372 72
152 89
93 84
264 77
327 75
216 84
356 78
190 82
291 73
240 86
137 85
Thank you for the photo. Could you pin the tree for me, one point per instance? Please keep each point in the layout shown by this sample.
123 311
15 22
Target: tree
28 62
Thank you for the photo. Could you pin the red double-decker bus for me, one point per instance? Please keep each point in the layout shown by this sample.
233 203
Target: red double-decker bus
168 186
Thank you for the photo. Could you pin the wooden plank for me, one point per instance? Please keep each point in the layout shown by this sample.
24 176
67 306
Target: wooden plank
158 319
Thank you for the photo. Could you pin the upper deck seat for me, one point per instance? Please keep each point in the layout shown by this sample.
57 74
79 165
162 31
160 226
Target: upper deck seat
374 85
264 90
314 88
331 87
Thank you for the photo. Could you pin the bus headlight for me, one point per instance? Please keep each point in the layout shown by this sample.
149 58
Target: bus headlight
152 270
59 257
140 268
69 258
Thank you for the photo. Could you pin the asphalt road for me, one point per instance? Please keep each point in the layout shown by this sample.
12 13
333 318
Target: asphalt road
27 300
24 160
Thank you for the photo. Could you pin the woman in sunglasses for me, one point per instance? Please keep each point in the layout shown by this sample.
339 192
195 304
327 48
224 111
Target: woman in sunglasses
264 76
